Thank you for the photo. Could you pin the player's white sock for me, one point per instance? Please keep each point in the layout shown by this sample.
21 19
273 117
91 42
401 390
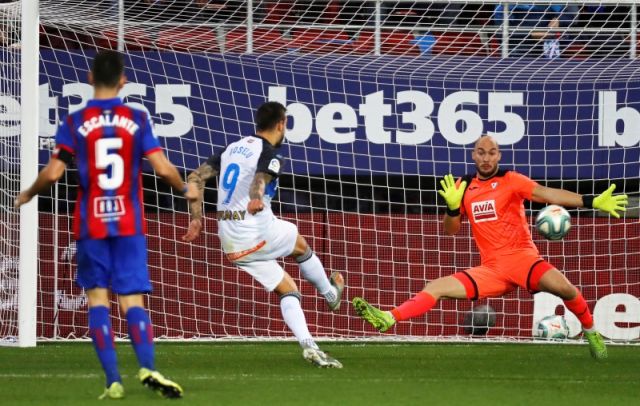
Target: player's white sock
295 320
312 270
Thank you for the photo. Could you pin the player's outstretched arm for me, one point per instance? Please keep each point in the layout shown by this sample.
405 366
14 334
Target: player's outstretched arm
550 195
452 195
198 180
47 177
168 172
605 202
256 192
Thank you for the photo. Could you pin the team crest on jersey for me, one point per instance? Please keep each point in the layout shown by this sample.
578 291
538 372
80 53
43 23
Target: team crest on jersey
108 208
494 185
484 211
274 165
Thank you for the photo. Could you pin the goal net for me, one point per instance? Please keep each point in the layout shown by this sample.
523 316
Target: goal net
385 98
9 169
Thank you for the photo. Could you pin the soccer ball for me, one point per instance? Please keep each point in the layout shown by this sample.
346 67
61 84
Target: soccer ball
478 321
553 222
552 328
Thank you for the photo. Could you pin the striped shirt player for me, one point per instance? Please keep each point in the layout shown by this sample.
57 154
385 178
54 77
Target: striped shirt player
108 140
252 237
492 199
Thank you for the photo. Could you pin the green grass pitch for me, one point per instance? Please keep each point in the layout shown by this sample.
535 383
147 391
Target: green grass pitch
373 374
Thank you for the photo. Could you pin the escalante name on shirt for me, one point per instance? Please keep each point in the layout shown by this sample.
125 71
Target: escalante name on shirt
108 121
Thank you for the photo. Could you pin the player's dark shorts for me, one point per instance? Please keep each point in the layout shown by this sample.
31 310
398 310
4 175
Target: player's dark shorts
519 268
118 263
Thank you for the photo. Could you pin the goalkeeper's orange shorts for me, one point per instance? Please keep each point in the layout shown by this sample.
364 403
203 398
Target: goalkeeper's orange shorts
499 277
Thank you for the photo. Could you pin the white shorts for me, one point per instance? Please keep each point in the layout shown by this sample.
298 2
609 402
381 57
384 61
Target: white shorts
279 241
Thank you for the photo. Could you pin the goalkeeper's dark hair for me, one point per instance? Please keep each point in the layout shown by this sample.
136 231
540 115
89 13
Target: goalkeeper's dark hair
107 68
269 115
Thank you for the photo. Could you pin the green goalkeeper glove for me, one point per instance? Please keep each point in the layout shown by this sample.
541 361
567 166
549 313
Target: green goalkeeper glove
452 194
608 203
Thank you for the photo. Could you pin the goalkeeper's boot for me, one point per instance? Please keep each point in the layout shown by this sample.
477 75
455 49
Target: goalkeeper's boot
155 381
320 358
337 281
596 344
382 321
115 391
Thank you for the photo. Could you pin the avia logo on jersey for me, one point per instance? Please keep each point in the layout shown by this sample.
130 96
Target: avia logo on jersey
484 211
108 208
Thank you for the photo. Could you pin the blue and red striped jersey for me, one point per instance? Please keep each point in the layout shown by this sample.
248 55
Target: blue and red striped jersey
108 140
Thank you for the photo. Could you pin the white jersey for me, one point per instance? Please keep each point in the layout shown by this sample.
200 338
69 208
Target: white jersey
237 165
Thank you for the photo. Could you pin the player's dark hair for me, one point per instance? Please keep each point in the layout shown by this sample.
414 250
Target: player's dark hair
107 68
269 115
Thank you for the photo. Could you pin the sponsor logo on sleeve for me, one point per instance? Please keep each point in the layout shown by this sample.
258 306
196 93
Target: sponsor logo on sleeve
274 165
484 211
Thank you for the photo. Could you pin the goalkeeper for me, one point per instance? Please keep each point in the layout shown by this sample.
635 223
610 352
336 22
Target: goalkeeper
492 199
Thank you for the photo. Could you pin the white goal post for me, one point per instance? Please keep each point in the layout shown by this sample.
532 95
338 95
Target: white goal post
385 98
18 138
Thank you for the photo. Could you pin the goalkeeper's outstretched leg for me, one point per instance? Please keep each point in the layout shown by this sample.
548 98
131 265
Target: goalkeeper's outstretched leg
597 347
380 320
554 282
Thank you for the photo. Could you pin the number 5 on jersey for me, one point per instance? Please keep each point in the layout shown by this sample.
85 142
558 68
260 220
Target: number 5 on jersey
106 157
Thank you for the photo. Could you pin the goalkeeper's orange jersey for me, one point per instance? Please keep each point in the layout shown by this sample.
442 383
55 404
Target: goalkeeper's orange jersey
495 210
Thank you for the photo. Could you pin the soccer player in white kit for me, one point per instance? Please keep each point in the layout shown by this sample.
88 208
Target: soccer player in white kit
252 236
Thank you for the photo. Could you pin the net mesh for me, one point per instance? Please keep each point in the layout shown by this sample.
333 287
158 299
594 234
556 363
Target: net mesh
9 168
386 97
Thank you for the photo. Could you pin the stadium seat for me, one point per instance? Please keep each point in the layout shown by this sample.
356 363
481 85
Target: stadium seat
391 42
188 39
285 12
280 12
318 40
55 38
331 14
459 43
576 50
136 39
264 40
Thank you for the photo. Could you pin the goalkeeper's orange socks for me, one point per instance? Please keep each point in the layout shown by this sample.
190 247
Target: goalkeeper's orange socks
416 306
578 306
141 336
102 337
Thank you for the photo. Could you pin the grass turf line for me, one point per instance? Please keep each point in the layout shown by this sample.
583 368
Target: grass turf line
275 374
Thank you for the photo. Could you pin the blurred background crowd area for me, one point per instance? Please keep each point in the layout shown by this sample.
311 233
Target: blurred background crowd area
342 26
